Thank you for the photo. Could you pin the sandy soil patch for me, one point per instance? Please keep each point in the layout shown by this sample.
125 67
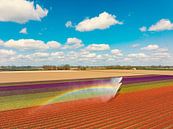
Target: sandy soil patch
25 76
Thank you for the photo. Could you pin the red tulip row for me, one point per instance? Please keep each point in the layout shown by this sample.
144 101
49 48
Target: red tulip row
145 109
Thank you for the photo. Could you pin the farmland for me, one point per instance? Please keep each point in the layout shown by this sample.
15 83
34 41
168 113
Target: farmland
30 76
144 101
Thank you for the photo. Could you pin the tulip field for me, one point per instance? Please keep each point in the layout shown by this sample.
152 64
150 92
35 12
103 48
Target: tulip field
143 101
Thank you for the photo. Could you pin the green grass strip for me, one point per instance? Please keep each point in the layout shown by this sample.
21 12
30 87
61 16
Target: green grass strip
144 86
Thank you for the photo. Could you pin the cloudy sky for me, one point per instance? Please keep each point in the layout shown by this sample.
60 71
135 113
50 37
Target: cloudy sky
85 32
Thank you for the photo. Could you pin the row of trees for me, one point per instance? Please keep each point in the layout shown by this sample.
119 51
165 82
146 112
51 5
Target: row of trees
63 67
68 67
52 67
20 68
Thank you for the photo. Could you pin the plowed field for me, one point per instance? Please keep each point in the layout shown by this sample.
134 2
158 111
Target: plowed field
143 102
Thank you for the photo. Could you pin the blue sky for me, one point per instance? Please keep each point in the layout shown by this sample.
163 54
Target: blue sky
97 32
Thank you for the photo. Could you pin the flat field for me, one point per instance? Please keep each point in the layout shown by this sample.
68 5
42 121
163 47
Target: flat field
144 101
25 76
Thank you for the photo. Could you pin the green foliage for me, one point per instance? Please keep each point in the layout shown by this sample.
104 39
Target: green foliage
145 86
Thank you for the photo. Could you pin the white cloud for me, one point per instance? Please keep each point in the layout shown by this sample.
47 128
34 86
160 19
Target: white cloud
152 55
98 47
160 55
89 55
143 29
40 55
30 44
6 53
116 52
93 54
151 47
82 57
57 54
21 57
54 44
72 55
73 43
163 24
163 49
24 44
21 11
69 24
86 56
154 48
37 57
148 59
137 55
23 31
103 21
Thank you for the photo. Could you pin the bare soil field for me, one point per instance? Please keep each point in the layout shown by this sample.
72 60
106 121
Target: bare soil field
26 76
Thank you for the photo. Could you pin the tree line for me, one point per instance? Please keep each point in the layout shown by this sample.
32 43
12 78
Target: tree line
68 67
